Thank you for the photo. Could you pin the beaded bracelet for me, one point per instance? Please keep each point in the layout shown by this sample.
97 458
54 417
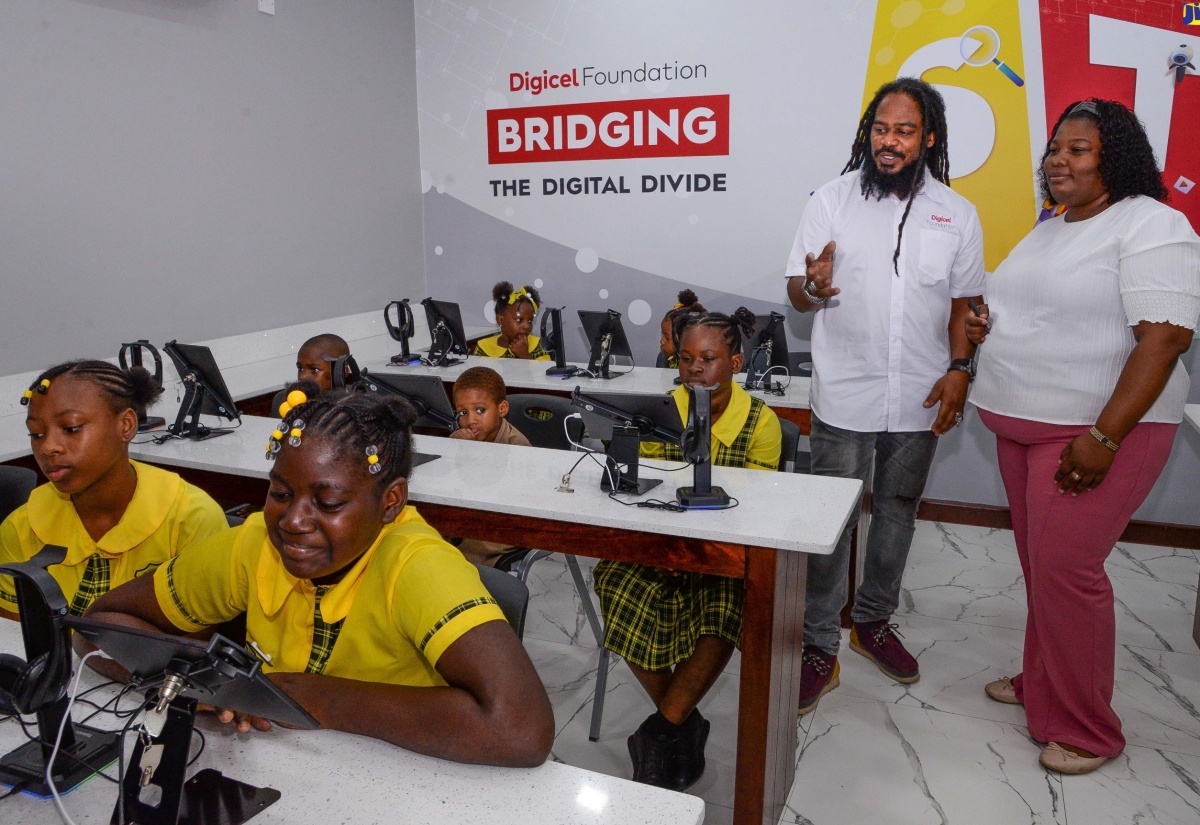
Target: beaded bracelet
1105 440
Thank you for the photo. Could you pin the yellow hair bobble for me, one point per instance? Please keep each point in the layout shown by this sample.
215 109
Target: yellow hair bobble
296 398
521 294
40 386
294 436
373 460
277 435
284 409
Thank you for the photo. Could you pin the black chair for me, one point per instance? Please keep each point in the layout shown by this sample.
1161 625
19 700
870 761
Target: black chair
16 483
800 363
787 451
661 362
540 419
510 593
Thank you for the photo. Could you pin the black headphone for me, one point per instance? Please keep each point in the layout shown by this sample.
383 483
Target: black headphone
404 327
343 371
27 688
135 358
695 449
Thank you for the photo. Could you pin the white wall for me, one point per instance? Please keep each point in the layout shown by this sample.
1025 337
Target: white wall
193 168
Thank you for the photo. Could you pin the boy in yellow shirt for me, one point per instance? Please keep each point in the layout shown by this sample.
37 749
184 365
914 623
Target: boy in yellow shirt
357 607
118 519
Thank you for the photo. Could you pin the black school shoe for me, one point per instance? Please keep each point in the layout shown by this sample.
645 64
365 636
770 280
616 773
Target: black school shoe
669 756
685 765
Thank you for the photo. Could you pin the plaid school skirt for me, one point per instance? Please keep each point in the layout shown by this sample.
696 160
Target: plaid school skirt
653 617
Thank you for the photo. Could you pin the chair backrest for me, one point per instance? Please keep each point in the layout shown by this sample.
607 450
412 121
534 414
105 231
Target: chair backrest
800 363
540 419
510 593
16 483
661 361
787 454
803 456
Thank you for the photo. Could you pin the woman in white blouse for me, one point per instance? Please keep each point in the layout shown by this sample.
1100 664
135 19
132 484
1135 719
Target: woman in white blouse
1080 381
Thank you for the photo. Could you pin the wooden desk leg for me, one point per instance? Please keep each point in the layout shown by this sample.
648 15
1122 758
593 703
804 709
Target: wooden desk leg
772 640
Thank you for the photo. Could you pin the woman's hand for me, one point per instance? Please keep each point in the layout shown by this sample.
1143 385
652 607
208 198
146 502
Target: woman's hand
1083 465
978 326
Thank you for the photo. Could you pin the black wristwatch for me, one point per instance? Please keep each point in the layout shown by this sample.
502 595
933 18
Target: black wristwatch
963 365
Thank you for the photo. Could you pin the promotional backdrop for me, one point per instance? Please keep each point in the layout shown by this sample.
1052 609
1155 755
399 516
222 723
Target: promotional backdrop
611 153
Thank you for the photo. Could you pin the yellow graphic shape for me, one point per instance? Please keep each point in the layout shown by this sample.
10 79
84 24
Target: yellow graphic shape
1002 187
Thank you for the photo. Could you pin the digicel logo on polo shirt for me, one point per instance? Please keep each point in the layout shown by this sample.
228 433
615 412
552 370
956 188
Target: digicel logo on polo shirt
610 130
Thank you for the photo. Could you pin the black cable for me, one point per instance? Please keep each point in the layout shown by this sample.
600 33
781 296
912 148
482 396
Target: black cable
15 789
98 771
199 733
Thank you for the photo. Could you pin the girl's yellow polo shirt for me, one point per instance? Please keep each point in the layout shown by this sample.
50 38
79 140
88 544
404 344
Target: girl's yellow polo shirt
758 449
492 349
398 608
165 515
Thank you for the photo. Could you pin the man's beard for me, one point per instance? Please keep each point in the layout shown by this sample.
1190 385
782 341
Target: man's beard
881 184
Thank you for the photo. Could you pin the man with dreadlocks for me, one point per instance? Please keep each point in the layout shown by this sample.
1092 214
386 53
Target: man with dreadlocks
887 257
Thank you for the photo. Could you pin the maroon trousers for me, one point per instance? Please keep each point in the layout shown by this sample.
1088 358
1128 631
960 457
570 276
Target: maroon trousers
1066 683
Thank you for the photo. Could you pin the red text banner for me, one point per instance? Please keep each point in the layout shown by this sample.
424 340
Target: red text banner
666 127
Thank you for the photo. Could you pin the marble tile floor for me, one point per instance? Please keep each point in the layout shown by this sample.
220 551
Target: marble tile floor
937 751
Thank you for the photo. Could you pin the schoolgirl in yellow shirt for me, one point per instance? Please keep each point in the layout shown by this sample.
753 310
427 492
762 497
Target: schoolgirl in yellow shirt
358 608
676 630
118 519
515 311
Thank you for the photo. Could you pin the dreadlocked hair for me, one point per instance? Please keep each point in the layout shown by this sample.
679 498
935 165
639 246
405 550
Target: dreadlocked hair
935 158
133 388
1127 163
687 304
734 327
503 290
355 422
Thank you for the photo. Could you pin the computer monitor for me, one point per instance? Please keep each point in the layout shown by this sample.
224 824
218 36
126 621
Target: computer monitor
554 341
766 352
426 393
182 672
637 418
205 392
607 338
445 332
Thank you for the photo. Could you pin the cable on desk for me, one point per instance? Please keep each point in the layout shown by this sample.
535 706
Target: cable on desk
15 789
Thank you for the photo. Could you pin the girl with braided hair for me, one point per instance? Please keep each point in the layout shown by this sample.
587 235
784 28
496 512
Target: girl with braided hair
515 310
359 610
687 304
118 519
677 631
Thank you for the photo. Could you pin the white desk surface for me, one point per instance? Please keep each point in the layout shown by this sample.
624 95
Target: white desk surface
519 374
1191 414
787 511
330 776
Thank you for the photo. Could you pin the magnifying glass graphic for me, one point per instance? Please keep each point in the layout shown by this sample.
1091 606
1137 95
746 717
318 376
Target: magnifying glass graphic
981 55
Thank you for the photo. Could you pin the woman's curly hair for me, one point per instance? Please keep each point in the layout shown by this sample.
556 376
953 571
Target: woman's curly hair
1127 163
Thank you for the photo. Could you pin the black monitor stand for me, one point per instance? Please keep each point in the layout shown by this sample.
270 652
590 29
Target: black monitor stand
187 422
553 340
401 330
697 451
82 750
621 460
